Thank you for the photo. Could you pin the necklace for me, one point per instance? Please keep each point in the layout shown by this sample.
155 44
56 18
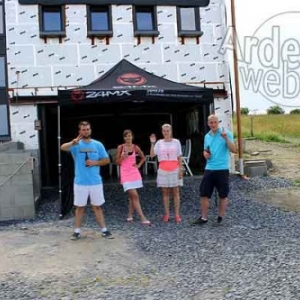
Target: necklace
167 150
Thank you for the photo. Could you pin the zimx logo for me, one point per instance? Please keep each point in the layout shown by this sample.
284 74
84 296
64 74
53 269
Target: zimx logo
131 79
77 95
269 60
104 94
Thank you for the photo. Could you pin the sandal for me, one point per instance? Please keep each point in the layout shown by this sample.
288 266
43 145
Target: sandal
177 219
147 223
166 218
129 220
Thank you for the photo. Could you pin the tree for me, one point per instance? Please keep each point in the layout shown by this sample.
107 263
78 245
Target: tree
245 110
275 110
295 111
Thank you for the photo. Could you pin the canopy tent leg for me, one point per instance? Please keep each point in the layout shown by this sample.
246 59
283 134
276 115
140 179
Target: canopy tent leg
59 161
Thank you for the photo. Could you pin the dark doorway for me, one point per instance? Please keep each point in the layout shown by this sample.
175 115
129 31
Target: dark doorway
108 124
109 128
47 113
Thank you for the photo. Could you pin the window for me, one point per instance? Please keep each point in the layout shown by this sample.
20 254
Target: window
4 123
145 21
99 21
52 21
2 72
1 20
188 21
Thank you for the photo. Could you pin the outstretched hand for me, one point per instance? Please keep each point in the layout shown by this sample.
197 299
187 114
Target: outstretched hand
76 141
152 138
224 134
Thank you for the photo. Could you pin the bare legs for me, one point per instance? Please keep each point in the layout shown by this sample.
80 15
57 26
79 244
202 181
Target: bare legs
79 212
176 198
205 205
166 201
134 204
130 209
78 216
99 216
204 202
223 206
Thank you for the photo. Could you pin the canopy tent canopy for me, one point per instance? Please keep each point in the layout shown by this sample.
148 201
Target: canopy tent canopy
126 82
133 89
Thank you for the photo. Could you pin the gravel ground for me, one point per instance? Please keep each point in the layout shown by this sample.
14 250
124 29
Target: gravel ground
254 254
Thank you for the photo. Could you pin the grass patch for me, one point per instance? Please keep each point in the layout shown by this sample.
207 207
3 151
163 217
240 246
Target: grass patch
297 182
270 137
270 128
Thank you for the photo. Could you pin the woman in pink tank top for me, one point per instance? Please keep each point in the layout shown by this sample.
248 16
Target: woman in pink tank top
131 178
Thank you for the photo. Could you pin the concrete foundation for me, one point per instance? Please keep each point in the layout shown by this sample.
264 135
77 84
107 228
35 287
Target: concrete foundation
16 187
255 168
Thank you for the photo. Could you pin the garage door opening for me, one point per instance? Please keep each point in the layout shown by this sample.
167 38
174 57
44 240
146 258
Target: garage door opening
108 123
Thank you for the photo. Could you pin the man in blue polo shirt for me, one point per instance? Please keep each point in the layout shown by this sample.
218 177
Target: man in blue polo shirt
218 143
89 155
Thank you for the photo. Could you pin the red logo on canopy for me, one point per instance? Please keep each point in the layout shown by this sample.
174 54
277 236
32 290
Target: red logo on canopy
77 95
131 79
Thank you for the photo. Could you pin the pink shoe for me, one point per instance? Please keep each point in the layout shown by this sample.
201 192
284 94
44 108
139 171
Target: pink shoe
166 218
147 223
177 219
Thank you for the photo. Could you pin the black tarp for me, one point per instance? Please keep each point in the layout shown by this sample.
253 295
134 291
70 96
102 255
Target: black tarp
192 3
126 82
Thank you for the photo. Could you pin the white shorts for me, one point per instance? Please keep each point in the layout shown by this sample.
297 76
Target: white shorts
82 192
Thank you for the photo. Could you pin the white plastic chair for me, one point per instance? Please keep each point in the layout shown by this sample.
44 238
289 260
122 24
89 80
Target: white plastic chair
186 154
150 161
112 153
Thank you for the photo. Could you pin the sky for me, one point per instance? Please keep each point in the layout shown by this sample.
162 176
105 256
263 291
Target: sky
269 53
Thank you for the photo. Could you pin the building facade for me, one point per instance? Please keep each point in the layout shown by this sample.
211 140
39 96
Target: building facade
70 45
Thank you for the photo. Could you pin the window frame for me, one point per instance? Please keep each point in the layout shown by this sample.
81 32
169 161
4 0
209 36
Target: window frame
145 33
189 33
5 72
3 17
46 33
99 33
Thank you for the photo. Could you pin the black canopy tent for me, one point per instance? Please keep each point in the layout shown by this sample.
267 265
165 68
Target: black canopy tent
127 86
126 82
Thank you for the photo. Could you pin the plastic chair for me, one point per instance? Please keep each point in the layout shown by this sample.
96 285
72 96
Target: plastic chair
186 156
112 153
150 161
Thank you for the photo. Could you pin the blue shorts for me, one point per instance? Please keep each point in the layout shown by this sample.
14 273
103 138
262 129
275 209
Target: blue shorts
218 179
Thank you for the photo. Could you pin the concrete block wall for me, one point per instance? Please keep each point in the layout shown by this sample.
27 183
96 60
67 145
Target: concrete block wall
16 187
